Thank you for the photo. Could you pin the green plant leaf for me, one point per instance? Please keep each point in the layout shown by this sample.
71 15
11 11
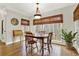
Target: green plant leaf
68 36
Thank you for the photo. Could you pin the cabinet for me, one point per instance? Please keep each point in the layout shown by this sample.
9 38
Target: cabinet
17 33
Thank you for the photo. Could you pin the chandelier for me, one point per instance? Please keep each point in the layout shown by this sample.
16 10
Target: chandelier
37 15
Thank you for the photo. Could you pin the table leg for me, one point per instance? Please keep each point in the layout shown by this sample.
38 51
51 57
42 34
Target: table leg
31 49
42 47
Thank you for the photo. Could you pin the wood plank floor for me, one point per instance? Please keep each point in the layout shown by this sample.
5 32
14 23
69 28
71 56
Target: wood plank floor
18 49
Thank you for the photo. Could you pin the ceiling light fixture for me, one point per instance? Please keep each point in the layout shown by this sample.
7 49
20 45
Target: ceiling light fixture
38 14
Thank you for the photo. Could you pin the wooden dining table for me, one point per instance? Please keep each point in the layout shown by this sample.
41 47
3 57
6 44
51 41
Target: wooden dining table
40 38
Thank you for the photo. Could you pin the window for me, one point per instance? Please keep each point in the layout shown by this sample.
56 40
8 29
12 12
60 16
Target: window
77 30
55 28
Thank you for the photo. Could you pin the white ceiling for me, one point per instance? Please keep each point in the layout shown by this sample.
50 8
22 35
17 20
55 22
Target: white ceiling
28 9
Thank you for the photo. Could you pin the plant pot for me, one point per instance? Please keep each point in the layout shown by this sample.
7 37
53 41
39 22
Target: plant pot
69 45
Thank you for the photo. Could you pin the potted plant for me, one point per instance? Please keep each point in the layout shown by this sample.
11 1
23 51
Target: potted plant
68 37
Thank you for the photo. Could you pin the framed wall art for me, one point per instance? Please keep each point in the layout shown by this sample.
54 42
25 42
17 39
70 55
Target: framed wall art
24 22
14 21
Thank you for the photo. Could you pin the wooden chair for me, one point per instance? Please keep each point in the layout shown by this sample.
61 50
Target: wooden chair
30 41
49 43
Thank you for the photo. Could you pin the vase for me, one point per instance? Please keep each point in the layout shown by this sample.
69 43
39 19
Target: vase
69 45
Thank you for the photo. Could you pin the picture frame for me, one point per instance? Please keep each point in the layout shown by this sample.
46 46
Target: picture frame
25 22
14 21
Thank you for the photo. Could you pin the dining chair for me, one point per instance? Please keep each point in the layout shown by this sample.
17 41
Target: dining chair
30 41
42 32
48 43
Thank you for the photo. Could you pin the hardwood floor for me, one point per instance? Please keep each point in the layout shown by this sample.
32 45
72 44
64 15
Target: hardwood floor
18 49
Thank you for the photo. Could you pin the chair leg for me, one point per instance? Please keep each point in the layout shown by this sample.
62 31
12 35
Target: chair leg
31 49
37 47
40 50
51 45
26 47
48 49
26 50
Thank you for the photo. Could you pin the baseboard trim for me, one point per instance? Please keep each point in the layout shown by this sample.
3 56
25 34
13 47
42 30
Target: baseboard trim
2 42
8 43
58 42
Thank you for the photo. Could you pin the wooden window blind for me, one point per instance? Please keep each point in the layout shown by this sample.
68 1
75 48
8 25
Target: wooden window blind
49 20
76 13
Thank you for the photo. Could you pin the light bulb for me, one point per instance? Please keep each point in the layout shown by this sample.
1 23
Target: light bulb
37 17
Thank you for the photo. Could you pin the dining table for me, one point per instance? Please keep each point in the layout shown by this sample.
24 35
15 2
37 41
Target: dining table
40 38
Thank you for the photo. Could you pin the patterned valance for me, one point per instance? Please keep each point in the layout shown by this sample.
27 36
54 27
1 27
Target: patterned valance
49 20
76 13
